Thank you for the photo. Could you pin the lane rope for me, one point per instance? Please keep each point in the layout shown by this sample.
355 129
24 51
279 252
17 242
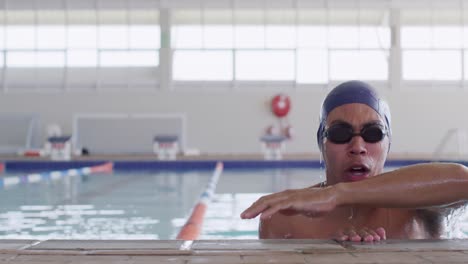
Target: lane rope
55 175
193 226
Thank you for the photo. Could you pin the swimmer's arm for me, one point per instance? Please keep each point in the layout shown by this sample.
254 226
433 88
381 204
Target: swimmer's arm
423 186
432 185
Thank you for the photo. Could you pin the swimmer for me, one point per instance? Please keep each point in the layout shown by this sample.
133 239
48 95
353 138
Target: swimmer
359 201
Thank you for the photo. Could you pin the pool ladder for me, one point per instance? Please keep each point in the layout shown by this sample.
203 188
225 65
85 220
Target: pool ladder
461 136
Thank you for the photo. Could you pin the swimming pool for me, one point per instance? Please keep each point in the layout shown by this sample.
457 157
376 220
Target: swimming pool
148 204
151 203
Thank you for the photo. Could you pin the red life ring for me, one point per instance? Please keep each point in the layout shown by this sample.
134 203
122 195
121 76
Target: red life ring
280 105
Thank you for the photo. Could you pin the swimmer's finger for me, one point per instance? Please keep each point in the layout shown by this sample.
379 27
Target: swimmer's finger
253 211
260 205
382 233
354 236
341 236
271 211
370 235
365 236
266 202
374 234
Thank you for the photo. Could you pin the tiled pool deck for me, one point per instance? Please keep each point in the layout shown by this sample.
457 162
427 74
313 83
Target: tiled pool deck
232 251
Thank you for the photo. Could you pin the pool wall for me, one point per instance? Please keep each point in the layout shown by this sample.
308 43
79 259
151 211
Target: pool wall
14 166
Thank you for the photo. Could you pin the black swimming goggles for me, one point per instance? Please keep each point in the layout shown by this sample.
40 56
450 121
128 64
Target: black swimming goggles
342 133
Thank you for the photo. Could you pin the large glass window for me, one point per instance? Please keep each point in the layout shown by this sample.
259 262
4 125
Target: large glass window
302 46
432 53
305 46
82 37
82 58
20 37
20 59
79 49
203 65
31 59
51 37
128 58
113 37
312 66
80 41
265 65
364 65
80 45
432 45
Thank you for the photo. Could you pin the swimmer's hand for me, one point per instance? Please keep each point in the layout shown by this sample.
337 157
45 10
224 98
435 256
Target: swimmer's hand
312 202
363 234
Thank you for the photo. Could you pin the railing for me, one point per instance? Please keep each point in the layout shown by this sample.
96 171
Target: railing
461 135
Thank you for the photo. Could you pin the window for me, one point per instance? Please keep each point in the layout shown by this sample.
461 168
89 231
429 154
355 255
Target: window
113 37
31 59
306 46
21 59
128 58
432 53
80 46
281 45
439 65
265 65
144 37
20 37
433 45
364 65
51 37
203 65
74 39
82 58
82 37
312 66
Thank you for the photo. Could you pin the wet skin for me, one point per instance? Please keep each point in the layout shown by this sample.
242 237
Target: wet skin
359 201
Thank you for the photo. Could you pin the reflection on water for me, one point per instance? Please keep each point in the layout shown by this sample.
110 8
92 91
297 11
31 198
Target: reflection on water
73 222
222 217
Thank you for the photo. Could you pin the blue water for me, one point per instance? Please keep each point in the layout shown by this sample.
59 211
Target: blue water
142 205
149 205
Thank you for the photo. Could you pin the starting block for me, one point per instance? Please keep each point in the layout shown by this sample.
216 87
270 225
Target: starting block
166 146
59 147
272 146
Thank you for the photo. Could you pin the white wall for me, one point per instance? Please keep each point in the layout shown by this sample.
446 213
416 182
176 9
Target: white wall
232 121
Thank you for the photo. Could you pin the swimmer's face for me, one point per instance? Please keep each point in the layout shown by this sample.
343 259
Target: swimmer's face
357 159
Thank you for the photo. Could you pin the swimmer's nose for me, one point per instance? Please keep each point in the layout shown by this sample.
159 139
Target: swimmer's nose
357 146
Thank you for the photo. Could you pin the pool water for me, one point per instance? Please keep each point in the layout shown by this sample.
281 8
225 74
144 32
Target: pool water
142 205
139 205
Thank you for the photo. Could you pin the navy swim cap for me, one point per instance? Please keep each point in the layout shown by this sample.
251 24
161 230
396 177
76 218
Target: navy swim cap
349 93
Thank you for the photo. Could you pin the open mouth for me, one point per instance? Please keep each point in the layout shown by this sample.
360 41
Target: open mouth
357 173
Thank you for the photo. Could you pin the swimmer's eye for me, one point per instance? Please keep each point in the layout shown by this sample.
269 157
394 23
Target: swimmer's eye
343 133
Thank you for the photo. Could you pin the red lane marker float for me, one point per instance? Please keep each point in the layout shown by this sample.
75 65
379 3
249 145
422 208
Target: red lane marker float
106 167
192 228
